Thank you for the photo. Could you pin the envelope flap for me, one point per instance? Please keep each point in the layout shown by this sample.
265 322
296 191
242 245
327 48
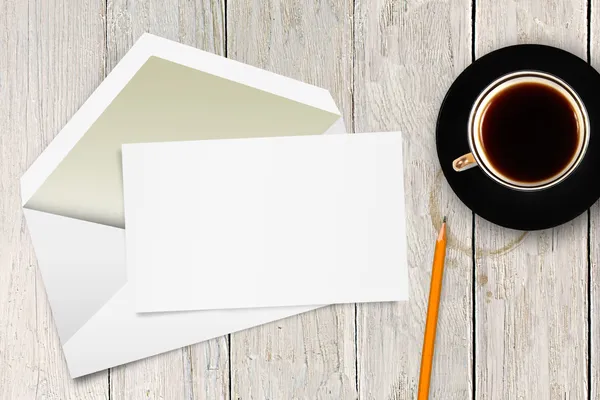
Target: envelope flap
164 91
81 265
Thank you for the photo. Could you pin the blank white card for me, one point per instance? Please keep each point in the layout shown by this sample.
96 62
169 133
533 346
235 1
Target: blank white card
303 220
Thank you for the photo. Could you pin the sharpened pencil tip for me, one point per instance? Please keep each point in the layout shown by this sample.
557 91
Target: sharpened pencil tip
445 218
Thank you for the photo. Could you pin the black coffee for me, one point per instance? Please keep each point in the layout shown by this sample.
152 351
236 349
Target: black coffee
529 132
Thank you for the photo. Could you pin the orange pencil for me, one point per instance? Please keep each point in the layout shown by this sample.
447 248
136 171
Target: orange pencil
437 274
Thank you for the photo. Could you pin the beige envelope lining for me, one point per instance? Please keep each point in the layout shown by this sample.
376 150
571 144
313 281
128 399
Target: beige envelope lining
164 101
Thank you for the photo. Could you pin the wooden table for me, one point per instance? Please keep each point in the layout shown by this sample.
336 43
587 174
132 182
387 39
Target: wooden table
520 316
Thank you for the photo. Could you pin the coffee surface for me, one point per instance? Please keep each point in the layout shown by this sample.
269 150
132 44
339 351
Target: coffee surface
529 132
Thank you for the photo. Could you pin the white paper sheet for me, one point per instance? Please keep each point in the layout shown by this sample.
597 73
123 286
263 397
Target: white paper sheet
285 221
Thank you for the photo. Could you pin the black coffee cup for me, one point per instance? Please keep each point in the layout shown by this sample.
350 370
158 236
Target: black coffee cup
528 131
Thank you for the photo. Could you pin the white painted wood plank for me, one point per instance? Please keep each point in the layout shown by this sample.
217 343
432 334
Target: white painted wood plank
310 356
594 289
200 371
594 333
531 296
407 55
207 370
49 64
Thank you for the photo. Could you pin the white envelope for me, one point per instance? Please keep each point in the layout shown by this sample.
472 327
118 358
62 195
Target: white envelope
266 222
73 200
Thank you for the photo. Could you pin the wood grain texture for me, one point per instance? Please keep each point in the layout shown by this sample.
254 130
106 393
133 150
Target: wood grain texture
207 364
594 272
531 296
407 55
49 64
310 356
200 371
594 292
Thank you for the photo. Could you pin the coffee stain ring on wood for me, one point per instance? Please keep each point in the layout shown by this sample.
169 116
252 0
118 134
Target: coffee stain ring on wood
436 215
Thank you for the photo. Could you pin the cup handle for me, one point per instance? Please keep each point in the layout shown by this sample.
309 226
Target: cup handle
464 162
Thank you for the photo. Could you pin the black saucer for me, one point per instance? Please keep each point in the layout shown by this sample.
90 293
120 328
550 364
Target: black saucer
506 207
